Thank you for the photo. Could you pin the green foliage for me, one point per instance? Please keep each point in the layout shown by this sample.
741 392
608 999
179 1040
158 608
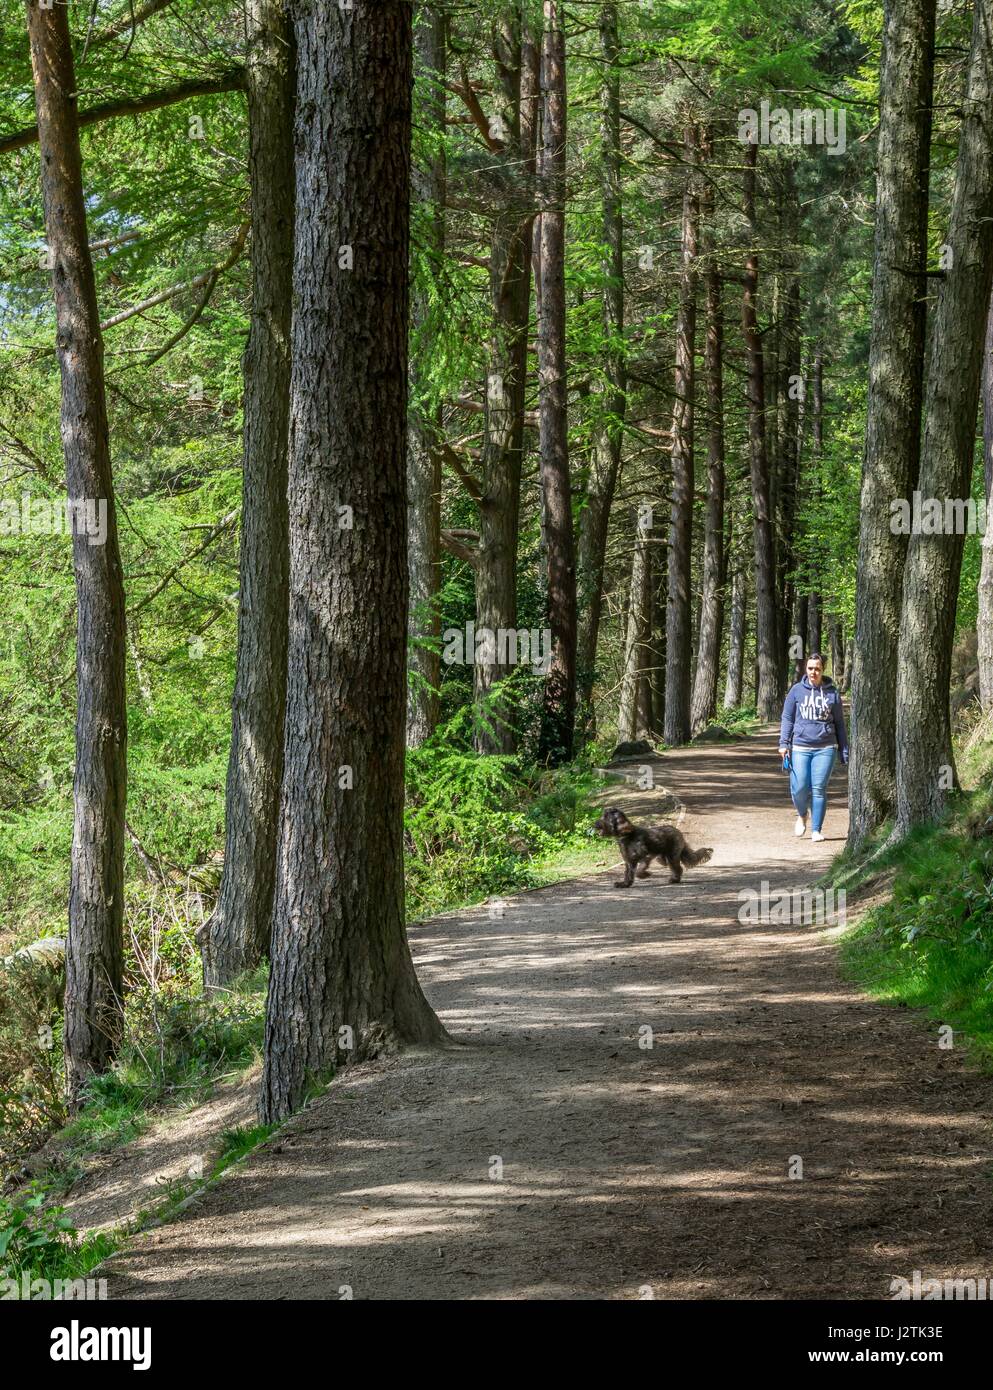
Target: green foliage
741 721
477 824
38 1241
170 206
31 1083
177 1044
236 1143
930 945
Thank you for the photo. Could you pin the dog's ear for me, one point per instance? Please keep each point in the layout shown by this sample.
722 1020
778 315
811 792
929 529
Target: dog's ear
622 826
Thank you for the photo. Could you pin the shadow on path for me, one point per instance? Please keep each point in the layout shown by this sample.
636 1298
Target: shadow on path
637 1072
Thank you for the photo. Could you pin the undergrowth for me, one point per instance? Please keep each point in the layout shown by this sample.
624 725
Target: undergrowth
474 826
929 945
39 1242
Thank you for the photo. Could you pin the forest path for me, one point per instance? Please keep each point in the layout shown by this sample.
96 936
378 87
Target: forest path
624 1170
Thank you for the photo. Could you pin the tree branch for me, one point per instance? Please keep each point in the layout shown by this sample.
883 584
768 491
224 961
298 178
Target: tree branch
465 93
207 277
477 407
233 80
130 23
460 551
212 535
470 484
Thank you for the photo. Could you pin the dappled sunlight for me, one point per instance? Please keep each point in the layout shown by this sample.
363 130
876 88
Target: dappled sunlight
636 1073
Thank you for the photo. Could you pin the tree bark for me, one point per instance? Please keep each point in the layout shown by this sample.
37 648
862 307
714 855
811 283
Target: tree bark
815 615
94 1007
559 712
634 707
342 983
236 938
736 638
680 559
788 411
771 345
766 622
606 461
893 424
423 453
924 761
984 619
837 642
655 658
712 596
503 420
801 604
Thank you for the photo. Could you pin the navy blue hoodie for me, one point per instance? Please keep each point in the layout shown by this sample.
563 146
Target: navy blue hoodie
814 717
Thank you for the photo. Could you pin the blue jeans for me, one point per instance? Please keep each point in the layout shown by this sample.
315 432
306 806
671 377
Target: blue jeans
808 781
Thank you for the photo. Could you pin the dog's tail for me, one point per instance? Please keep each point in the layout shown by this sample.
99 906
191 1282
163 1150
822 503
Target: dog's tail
692 857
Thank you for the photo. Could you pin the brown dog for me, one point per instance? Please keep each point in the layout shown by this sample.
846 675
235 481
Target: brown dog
641 844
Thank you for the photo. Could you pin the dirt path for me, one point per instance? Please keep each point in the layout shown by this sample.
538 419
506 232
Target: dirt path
626 1172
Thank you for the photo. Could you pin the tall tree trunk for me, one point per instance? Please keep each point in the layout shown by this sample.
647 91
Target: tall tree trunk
237 936
893 422
815 612
559 713
342 984
984 621
771 353
766 620
801 606
798 600
503 420
736 637
648 716
678 610
788 411
924 762
712 597
633 707
837 649
656 639
423 455
606 459
846 683
95 947
793 599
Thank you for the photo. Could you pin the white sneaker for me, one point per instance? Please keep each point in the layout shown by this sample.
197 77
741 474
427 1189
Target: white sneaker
817 835
801 825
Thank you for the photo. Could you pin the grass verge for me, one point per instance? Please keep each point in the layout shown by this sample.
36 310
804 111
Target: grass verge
929 944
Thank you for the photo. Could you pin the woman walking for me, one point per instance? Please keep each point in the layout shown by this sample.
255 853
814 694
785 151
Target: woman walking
812 733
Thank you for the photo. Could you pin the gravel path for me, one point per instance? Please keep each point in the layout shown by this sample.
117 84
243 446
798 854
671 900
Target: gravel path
553 1154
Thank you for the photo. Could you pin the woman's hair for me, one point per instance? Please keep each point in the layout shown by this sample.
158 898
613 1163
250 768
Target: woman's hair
815 656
